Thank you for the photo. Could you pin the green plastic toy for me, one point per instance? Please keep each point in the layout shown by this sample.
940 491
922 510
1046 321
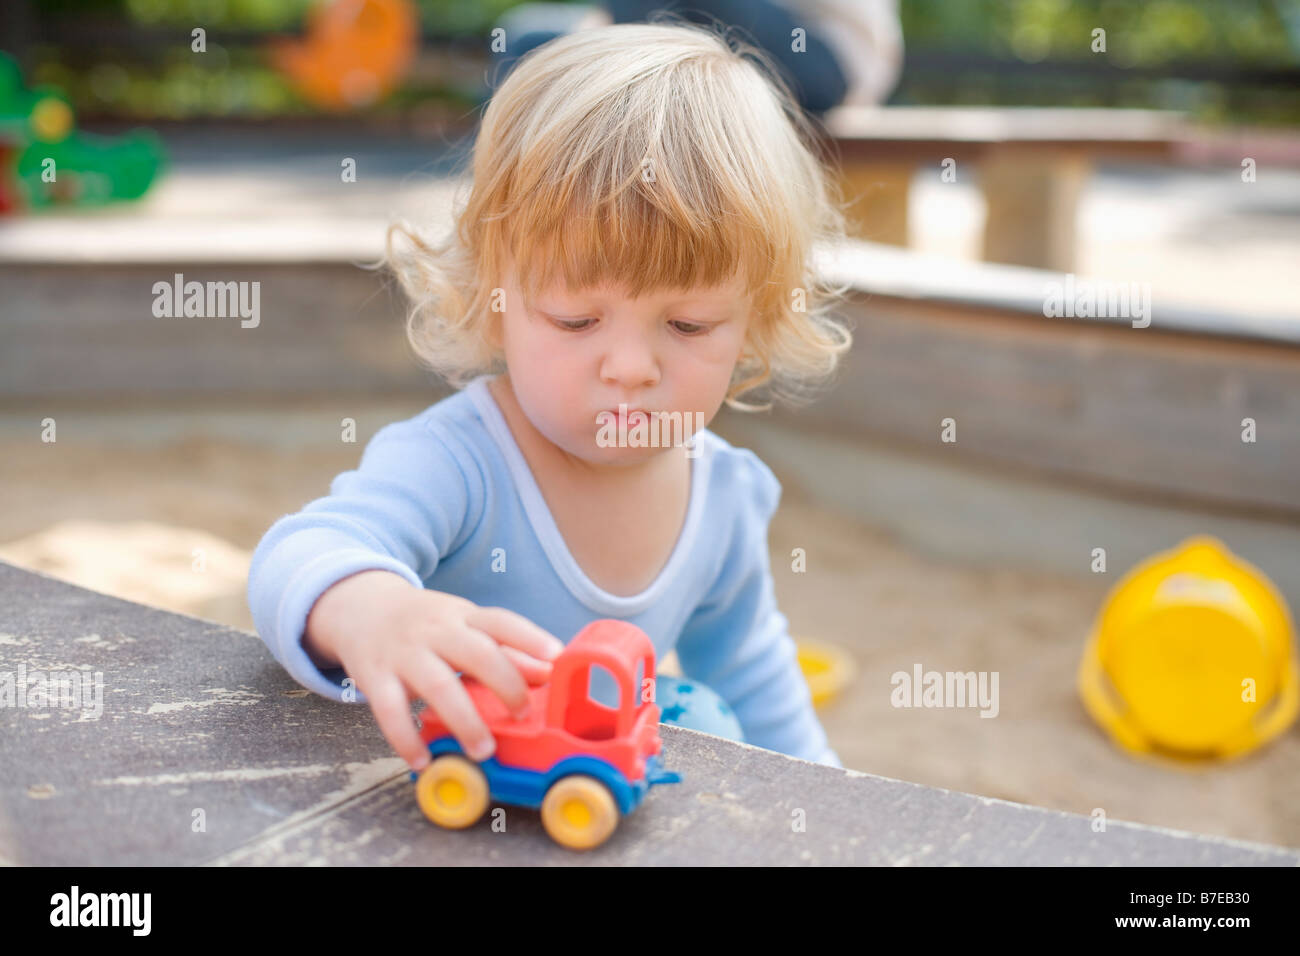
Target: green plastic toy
45 162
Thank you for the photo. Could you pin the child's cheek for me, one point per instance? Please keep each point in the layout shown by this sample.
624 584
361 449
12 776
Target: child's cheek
713 362
549 388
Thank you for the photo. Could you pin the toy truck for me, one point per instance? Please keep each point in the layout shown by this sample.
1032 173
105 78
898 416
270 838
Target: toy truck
584 764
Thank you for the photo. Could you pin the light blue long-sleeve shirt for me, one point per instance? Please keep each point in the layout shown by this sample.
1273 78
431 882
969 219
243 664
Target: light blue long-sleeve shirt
446 500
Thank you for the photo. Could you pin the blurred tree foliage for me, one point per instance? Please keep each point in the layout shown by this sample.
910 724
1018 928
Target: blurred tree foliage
1138 32
441 17
132 58
1220 59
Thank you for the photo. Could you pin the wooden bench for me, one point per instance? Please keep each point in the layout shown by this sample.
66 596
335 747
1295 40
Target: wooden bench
1032 167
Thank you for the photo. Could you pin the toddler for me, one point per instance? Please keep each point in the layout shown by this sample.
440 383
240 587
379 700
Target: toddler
634 251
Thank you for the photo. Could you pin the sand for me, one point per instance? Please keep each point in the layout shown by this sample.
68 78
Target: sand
173 524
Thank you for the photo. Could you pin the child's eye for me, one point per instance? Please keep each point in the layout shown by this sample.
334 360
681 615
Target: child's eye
574 325
689 328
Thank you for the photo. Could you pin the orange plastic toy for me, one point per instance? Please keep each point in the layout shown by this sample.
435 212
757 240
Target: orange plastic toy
581 763
355 52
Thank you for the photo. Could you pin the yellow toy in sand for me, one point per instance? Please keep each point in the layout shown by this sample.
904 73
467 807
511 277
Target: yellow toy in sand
1192 656
828 669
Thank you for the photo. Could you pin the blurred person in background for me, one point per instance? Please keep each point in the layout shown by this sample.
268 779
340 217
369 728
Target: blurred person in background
852 49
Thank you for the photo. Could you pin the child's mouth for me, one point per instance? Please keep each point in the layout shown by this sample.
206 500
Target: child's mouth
624 416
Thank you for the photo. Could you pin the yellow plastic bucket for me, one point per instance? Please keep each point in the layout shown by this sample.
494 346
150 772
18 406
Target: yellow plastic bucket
1192 656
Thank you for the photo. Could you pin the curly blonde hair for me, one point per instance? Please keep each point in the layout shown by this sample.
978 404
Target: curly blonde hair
654 156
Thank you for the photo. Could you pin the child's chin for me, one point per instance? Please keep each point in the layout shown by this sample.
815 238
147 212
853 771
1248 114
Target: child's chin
626 455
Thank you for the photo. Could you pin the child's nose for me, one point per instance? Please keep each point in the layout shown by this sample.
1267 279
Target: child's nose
631 364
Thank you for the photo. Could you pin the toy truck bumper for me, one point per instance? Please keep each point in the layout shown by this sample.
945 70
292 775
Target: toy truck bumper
655 772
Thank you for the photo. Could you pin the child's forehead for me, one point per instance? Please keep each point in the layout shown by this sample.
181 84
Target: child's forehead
612 290
577 271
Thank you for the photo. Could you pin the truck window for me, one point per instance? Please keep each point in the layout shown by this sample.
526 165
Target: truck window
593 703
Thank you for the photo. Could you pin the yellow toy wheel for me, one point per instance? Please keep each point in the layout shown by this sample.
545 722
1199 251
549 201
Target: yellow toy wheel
452 792
579 812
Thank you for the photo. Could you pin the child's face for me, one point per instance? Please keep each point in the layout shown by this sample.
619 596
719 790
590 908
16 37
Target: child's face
664 352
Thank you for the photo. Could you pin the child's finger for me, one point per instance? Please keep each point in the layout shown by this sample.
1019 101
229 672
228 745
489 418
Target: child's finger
428 676
392 709
507 627
477 655
535 672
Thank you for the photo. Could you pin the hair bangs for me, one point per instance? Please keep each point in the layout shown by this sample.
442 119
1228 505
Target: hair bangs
635 240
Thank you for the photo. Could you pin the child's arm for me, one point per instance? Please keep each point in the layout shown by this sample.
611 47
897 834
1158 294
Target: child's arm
408 503
349 570
738 643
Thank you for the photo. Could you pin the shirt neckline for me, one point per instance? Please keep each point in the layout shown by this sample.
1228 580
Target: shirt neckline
548 532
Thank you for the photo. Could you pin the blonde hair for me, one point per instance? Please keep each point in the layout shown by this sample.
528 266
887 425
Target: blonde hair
657 156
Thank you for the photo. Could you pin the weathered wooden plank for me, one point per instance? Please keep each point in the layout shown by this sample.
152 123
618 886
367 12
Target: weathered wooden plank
966 133
199 717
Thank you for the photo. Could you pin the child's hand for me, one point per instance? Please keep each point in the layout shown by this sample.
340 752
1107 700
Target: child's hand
393 638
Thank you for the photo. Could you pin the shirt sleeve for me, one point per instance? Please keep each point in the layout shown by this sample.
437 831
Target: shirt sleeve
404 507
738 643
